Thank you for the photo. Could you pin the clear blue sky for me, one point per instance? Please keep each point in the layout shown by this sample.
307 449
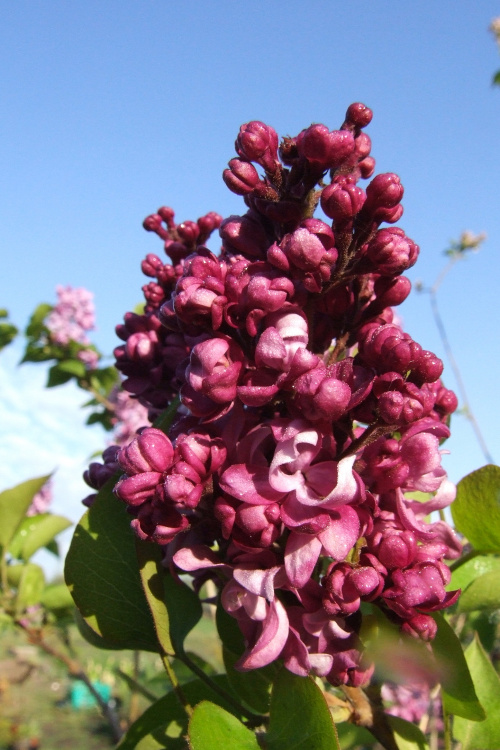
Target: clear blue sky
111 109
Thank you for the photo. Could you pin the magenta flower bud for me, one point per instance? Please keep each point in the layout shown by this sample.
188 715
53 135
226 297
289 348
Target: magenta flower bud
324 149
188 231
258 142
149 451
142 346
167 215
151 265
304 249
362 145
341 201
154 223
427 369
207 225
244 234
214 368
388 348
391 252
241 177
397 549
135 490
391 292
384 191
366 167
420 626
358 115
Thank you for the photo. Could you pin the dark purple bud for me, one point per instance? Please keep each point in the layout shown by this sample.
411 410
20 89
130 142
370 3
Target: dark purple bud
427 369
324 149
362 145
391 292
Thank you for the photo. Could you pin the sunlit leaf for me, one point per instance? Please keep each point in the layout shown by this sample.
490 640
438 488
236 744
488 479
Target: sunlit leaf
486 734
459 695
30 588
213 728
463 574
476 510
167 719
13 506
407 735
300 718
35 532
483 593
102 574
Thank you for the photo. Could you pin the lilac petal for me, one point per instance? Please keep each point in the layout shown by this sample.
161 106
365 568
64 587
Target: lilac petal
255 607
198 557
272 639
249 484
301 555
342 533
260 582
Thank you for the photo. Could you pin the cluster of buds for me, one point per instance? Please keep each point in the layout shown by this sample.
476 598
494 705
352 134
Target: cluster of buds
307 416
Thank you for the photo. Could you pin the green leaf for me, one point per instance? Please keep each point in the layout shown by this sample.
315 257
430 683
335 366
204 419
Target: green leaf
102 574
57 376
408 736
167 719
351 736
213 728
30 588
8 333
476 510
35 532
486 735
252 687
74 367
56 597
35 325
459 695
300 718
104 379
496 78
13 505
483 593
469 570
175 607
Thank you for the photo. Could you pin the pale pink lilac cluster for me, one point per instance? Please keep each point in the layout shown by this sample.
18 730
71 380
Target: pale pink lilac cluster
307 416
72 316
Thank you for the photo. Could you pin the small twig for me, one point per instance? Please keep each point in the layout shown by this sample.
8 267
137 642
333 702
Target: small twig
35 636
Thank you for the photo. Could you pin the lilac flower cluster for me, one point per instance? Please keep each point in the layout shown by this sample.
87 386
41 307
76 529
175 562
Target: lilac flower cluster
70 320
307 417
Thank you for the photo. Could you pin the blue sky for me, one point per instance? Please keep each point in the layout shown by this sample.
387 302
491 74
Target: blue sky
111 109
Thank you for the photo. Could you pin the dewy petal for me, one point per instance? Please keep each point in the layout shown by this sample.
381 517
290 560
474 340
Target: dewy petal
342 533
301 555
271 641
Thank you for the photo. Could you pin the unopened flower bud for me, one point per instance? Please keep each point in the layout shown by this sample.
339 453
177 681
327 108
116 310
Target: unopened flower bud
241 177
259 143
358 114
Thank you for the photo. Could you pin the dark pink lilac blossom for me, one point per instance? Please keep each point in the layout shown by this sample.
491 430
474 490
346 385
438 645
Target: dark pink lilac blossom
307 416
